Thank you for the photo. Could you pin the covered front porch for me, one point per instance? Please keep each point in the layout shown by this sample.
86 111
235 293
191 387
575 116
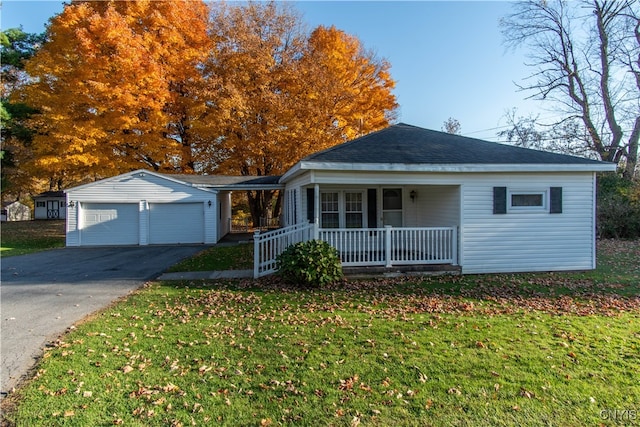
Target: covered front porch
370 226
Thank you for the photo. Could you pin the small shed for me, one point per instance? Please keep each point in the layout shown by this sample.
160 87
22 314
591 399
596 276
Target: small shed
15 211
50 205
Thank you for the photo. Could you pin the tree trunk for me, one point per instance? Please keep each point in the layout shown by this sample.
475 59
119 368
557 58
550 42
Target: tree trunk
259 204
632 156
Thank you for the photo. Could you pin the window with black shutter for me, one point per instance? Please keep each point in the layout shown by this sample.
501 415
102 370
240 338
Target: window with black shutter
555 205
499 200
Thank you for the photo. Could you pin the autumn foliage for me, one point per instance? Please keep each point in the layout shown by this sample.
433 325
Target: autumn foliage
112 86
181 87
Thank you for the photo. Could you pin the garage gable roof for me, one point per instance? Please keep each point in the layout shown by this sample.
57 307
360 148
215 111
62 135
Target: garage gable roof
209 183
141 173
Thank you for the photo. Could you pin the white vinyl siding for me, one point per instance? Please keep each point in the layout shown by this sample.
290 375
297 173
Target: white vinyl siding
171 223
488 243
528 239
109 224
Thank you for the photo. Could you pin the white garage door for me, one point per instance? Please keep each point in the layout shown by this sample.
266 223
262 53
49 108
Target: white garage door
171 223
109 224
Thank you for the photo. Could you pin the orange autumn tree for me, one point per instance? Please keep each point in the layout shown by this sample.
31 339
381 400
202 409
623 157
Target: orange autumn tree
282 94
115 86
352 87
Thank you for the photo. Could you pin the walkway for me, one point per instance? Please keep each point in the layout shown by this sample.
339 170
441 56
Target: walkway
204 275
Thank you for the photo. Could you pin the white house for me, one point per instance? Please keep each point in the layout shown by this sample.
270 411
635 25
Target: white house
400 196
50 205
407 195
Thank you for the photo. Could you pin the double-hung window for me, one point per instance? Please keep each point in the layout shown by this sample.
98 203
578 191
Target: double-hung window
330 213
342 209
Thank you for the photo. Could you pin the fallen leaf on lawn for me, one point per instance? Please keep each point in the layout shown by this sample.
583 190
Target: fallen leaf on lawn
126 369
526 393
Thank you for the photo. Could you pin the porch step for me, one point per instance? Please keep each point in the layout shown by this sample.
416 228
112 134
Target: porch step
402 270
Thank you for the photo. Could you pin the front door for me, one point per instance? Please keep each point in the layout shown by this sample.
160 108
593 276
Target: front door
392 207
53 209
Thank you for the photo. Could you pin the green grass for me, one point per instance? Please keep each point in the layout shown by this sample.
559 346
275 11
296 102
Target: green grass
24 237
234 257
517 351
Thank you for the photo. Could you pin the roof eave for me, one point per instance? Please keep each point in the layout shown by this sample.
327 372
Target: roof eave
446 168
240 187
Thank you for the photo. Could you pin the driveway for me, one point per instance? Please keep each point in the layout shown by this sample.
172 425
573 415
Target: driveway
42 294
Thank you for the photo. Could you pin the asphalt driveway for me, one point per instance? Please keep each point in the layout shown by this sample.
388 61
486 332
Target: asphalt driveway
43 294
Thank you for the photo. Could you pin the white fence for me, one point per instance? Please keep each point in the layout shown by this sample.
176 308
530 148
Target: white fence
267 246
394 246
363 246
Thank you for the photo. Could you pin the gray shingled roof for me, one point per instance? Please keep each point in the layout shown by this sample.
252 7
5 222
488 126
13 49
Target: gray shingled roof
225 181
51 194
406 144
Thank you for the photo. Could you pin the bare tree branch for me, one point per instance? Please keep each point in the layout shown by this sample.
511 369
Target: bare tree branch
585 58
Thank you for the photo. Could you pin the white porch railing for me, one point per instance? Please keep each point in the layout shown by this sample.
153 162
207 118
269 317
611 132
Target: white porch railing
267 246
394 246
363 246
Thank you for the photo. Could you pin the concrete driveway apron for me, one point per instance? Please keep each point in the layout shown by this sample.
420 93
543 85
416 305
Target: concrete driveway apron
43 294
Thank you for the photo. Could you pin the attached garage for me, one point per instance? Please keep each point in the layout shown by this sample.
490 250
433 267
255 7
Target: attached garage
141 208
149 208
172 223
109 224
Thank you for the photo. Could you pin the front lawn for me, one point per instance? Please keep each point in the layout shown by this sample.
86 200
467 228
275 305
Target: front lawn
24 237
220 257
513 350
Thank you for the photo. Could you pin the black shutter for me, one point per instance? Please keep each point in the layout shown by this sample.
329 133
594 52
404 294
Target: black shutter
499 200
311 201
556 200
372 207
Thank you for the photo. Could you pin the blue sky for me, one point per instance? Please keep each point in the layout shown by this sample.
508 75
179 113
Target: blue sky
447 57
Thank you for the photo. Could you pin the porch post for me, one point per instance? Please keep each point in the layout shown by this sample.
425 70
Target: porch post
316 211
454 245
256 254
387 245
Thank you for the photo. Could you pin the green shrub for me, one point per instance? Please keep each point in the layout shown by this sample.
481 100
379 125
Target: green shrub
618 207
312 263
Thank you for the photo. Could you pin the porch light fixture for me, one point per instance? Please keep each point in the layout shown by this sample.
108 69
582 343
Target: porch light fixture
413 195
71 204
209 203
